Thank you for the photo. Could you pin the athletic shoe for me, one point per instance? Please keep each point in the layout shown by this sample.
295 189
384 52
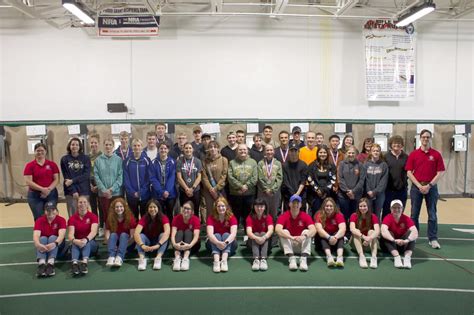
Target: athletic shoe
397 262
263 265
50 270
101 232
303 264
157 263
118 261
256 264
75 269
292 263
141 264
217 266
41 270
177 264
185 264
83 268
407 262
110 261
435 244
363 262
340 261
224 266
373 262
330 261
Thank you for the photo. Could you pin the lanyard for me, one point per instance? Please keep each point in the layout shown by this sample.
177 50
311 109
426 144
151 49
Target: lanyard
283 156
188 166
269 168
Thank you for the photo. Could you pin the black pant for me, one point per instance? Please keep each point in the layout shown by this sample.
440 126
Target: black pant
241 206
187 237
195 199
137 206
168 206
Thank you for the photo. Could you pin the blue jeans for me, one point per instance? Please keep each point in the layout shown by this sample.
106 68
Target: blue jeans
118 249
90 247
230 248
431 199
377 204
148 242
391 195
36 203
56 252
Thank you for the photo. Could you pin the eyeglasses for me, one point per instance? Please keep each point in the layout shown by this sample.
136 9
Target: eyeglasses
187 208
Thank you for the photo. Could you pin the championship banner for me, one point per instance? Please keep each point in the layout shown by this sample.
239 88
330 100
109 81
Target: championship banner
389 61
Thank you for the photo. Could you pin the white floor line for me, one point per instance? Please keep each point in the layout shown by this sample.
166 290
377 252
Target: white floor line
422 238
177 289
240 257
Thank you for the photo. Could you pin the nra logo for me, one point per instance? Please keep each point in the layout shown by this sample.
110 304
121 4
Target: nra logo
107 21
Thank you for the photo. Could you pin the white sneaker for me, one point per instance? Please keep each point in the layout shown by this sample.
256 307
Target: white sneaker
118 261
101 232
407 262
224 266
217 266
292 263
157 263
397 262
177 264
110 261
263 264
141 264
330 261
373 262
185 264
303 264
256 264
340 261
363 262
435 244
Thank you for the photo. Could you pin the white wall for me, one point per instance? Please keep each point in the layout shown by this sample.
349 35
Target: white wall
226 68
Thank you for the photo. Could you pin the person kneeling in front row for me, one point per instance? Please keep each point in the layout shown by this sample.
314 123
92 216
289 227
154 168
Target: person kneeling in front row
295 229
399 233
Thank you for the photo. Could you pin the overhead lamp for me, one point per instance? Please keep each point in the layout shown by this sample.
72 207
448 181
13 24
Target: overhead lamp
76 9
416 13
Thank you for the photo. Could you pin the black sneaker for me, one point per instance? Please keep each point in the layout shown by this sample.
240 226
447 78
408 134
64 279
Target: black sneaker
75 269
41 271
83 268
50 270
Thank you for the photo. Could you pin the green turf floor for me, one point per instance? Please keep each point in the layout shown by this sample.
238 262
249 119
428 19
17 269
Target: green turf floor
385 290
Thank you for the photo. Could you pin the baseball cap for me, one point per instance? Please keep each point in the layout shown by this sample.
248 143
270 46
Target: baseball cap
196 129
50 206
206 135
295 198
293 146
296 129
396 202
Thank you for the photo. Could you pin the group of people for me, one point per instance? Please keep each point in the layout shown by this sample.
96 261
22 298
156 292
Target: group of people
336 195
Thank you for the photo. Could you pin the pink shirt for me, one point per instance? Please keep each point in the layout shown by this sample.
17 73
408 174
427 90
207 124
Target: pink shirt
295 226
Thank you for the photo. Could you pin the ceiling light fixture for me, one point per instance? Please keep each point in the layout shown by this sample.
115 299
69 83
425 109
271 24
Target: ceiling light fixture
416 13
77 9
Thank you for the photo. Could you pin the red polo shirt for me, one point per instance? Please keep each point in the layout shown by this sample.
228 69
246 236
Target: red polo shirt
363 228
42 175
193 224
221 227
425 165
155 230
295 226
259 226
400 228
121 228
332 223
47 229
82 227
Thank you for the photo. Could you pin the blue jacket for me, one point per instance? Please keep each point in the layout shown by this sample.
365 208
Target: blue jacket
170 178
128 155
79 170
136 177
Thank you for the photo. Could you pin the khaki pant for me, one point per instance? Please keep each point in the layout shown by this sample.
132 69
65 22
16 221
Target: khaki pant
292 247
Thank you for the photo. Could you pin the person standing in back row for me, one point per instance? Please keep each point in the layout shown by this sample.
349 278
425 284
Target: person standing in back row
424 168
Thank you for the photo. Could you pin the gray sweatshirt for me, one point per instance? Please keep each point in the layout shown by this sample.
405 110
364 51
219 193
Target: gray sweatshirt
351 176
376 176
